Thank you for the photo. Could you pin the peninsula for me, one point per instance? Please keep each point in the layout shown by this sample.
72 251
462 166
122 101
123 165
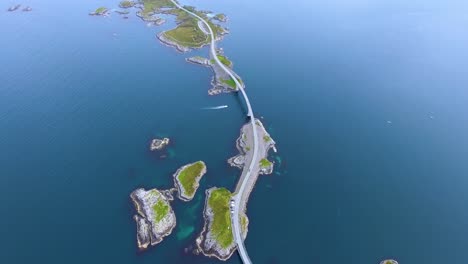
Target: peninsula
155 218
187 178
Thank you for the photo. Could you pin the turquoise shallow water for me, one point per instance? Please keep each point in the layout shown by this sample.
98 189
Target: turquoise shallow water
81 97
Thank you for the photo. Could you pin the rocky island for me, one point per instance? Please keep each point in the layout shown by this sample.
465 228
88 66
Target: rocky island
155 218
126 4
216 238
158 144
187 178
101 11
389 261
13 8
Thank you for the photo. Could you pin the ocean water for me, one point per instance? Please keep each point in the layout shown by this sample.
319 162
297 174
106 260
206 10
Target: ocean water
366 101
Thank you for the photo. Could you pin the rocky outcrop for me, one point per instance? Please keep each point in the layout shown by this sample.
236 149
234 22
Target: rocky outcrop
143 232
237 161
389 261
158 144
27 9
198 60
124 12
155 219
13 8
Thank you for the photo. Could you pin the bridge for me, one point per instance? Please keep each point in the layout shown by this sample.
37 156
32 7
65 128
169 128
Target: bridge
243 187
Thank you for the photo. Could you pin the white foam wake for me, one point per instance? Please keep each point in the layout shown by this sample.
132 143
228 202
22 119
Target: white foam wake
215 107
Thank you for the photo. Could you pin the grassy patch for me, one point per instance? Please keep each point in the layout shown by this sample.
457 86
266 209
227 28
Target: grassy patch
126 4
187 35
247 148
160 210
230 82
188 175
243 223
224 60
221 226
265 163
100 10
153 5
267 138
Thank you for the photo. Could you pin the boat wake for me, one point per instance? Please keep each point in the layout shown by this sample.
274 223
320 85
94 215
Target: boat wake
215 107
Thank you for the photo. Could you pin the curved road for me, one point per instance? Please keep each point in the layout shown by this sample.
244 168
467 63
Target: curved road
238 196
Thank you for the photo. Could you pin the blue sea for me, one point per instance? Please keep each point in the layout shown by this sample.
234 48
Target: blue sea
367 101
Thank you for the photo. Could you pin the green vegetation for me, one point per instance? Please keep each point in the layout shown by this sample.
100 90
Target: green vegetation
224 60
101 10
267 138
243 223
127 4
230 82
160 210
187 33
265 163
153 5
187 177
221 226
247 148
